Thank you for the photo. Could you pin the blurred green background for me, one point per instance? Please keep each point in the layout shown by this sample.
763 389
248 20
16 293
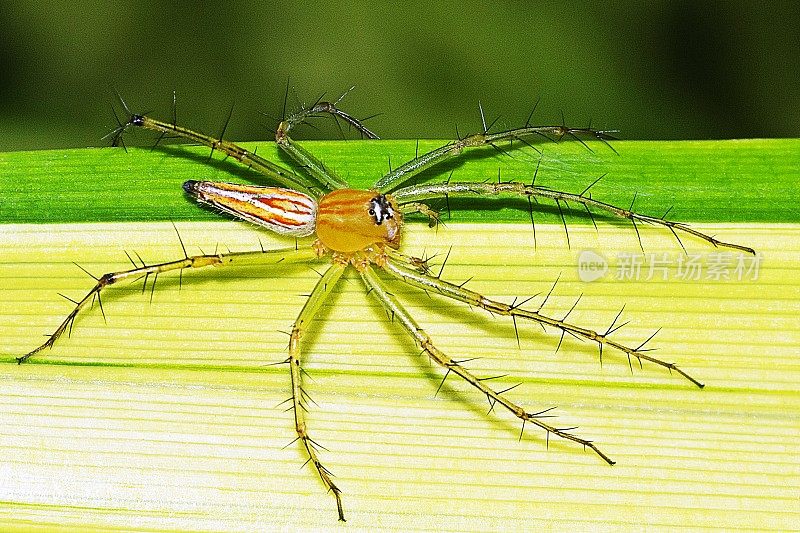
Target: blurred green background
653 70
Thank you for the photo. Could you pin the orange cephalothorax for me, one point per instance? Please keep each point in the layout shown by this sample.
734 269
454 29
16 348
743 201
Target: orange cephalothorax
349 220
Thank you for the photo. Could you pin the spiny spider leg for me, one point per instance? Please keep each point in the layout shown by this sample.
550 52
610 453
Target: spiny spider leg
288 255
318 296
329 108
304 158
414 277
414 194
423 209
403 173
392 306
267 168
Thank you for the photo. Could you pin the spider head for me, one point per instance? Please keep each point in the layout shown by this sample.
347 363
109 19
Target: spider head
381 209
350 220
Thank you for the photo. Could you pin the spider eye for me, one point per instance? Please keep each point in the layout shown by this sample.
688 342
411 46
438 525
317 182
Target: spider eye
380 209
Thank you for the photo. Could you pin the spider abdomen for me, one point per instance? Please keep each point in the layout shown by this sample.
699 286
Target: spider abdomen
281 210
350 220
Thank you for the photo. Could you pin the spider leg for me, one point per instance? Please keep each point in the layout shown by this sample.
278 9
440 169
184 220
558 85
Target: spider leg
269 169
396 177
195 261
423 209
304 158
416 193
416 278
392 306
321 291
329 108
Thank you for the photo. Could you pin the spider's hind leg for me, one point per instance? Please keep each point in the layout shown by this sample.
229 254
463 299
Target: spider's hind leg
272 171
144 271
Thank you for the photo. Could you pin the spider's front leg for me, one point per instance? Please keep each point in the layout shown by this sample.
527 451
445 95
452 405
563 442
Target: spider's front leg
403 173
415 194
414 277
318 296
392 306
195 261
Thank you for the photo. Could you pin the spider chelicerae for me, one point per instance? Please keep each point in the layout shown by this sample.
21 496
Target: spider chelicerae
362 229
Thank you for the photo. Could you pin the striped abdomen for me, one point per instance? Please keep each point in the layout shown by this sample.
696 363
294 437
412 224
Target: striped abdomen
283 211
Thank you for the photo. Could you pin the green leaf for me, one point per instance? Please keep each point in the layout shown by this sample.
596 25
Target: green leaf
705 181
168 414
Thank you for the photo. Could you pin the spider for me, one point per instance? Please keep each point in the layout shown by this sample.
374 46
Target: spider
362 230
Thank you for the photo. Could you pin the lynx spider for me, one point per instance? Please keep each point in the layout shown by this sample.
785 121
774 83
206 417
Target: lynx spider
362 229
